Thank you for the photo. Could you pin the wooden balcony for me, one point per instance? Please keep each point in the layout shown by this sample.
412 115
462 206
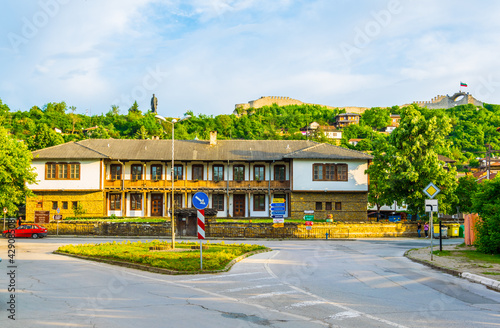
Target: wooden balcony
165 185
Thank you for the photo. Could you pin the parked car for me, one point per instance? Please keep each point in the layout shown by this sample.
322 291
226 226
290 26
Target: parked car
27 230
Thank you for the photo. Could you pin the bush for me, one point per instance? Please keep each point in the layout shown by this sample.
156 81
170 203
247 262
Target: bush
487 203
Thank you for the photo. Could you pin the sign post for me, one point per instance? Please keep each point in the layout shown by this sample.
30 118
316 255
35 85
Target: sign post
200 201
431 205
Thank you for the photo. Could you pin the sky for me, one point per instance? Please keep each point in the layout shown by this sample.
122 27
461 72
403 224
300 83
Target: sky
205 56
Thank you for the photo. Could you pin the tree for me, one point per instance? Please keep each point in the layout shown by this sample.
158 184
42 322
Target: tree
44 138
378 171
466 189
15 172
414 162
487 203
377 117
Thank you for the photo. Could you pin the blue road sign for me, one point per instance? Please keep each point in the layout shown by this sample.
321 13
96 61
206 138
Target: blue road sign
277 204
277 216
200 200
277 208
278 212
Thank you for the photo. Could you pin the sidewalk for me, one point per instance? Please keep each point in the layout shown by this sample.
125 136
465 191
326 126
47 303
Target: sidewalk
459 266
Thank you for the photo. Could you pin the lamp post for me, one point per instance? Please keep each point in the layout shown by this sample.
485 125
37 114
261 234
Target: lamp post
172 172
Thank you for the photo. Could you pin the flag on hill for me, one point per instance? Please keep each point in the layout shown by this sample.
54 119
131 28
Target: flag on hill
463 84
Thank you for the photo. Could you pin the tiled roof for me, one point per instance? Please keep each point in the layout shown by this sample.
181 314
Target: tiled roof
189 150
327 151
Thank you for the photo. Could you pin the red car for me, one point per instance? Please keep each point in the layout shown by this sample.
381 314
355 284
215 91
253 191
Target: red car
27 230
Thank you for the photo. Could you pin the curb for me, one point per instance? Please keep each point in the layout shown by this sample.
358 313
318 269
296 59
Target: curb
489 283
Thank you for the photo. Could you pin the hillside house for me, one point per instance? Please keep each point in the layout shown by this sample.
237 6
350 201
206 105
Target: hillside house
343 120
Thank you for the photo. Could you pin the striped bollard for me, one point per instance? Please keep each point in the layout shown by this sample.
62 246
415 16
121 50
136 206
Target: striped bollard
201 234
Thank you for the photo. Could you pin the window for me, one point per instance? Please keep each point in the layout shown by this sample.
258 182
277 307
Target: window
135 202
259 202
74 171
319 206
218 173
342 172
338 206
329 172
54 205
178 172
259 172
178 201
136 172
239 173
74 205
62 171
50 171
115 201
328 206
39 204
116 172
197 173
218 202
156 172
279 172
65 205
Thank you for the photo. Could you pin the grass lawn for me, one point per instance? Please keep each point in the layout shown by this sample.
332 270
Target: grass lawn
216 257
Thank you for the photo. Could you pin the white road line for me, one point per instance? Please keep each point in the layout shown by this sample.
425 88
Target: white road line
223 276
266 295
345 315
232 290
319 298
306 303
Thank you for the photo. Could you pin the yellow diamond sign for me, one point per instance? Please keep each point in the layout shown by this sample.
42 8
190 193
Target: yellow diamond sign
431 190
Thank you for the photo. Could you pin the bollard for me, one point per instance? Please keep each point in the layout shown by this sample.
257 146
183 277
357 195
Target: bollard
327 236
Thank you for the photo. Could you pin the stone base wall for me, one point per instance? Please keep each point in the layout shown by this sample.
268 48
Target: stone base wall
240 230
93 203
353 205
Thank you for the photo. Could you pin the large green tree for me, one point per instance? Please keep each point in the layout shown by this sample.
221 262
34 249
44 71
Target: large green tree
466 189
15 172
413 160
44 137
378 171
377 117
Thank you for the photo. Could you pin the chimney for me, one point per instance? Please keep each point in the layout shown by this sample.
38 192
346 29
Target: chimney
213 138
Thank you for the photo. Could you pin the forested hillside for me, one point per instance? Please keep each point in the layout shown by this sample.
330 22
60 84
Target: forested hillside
472 127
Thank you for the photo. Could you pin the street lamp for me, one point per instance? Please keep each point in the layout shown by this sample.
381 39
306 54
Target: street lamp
172 171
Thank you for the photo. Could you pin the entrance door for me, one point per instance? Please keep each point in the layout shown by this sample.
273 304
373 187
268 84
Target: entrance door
156 205
238 205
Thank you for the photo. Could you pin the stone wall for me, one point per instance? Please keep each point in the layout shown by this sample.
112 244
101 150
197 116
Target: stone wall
353 205
240 230
93 203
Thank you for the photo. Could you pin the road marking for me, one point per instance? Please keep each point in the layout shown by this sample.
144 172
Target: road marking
247 288
345 315
223 276
266 295
319 298
306 303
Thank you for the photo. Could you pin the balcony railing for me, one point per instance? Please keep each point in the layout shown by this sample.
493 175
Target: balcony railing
195 184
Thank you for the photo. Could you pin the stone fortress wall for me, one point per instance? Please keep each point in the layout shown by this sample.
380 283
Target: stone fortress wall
441 101
459 98
286 101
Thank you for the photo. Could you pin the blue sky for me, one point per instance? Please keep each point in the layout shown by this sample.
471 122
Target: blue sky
208 55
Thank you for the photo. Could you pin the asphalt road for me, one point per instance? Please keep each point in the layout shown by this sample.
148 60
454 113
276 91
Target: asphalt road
301 283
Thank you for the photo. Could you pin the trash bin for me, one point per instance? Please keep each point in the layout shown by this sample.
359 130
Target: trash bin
461 231
444 231
453 230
